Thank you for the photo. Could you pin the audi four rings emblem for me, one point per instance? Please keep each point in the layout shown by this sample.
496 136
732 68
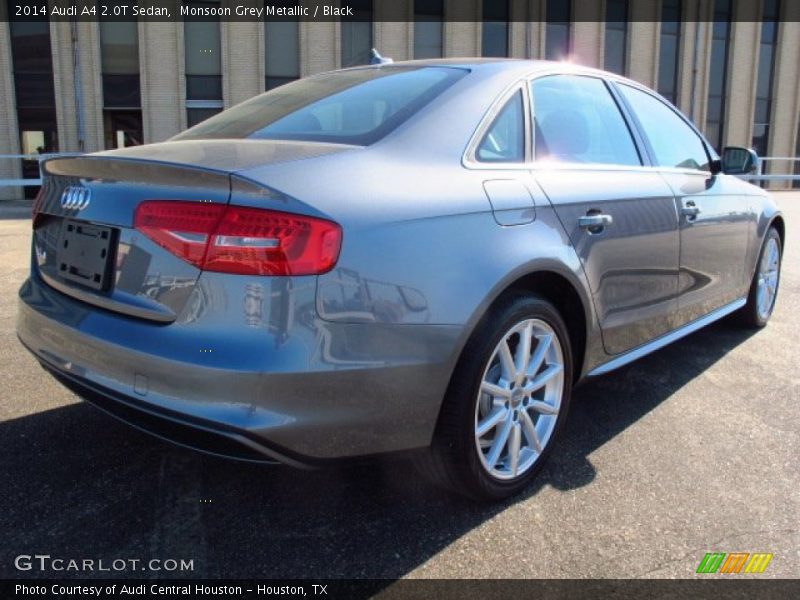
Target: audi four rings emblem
75 198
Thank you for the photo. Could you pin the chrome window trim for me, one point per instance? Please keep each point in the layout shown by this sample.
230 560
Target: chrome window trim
618 81
469 161
606 81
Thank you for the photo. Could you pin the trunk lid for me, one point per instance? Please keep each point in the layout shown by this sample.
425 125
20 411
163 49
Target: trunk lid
85 244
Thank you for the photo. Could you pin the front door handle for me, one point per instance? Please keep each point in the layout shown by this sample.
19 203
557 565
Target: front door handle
595 223
690 211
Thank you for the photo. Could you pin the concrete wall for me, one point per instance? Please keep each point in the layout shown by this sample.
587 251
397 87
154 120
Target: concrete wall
588 33
243 68
9 133
163 81
741 93
786 84
393 30
462 37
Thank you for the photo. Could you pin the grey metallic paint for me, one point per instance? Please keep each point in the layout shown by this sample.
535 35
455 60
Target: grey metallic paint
356 361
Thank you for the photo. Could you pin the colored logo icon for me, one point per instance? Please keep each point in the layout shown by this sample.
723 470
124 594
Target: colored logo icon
734 562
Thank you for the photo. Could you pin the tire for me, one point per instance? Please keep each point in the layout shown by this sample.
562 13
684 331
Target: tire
762 295
481 464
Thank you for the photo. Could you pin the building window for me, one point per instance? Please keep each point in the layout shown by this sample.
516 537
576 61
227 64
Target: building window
198 112
32 64
766 68
282 48
356 34
494 33
616 35
718 78
122 128
202 47
119 56
669 54
557 38
428 28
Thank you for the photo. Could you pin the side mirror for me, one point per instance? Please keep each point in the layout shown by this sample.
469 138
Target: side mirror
739 161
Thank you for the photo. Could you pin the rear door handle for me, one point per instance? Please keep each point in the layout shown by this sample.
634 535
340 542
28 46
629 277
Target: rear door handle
595 223
691 210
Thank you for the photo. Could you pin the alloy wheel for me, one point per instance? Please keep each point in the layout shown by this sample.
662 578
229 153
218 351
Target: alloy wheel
768 274
519 399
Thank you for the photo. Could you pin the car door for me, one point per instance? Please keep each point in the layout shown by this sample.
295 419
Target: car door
714 216
618 212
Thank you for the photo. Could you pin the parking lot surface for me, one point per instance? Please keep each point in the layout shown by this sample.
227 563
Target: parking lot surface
693 449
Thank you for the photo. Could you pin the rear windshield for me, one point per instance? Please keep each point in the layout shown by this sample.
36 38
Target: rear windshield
346 107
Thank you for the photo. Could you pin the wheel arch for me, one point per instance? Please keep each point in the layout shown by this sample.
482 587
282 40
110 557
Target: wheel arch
562 290
780 226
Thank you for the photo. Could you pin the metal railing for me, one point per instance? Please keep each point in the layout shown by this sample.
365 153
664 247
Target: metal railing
37 157
22 182
761 176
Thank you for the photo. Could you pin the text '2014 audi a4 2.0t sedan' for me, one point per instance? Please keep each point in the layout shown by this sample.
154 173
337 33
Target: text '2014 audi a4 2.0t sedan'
422 255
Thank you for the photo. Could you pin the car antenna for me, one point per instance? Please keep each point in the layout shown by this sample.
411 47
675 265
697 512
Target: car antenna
377 59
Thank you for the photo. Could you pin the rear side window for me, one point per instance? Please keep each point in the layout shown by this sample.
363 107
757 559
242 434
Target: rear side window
576 120
674 143
348 107
505 139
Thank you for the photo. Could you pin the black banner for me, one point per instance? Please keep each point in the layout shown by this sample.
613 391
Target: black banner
408 589
344 10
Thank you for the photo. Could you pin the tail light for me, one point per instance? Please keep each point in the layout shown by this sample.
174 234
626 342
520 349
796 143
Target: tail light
238 239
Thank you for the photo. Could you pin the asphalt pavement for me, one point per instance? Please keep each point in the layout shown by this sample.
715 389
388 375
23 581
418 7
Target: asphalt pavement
693 449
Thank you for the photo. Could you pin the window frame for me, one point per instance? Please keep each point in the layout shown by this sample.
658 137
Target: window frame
509 99
505 23
612 81
420 16
626 118
626 45
296 50
469 158
710 153
678 55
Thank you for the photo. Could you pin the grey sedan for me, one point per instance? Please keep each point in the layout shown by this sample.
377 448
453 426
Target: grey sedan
420 256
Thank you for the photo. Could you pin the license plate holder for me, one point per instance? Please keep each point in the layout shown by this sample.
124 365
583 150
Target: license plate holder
84 254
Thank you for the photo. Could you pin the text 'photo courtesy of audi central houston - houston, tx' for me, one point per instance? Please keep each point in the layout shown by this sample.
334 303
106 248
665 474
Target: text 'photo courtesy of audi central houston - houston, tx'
421 256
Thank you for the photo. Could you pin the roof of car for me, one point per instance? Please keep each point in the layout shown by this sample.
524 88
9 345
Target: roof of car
512 67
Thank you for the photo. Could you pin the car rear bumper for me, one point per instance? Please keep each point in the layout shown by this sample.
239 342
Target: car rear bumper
197 434
301 395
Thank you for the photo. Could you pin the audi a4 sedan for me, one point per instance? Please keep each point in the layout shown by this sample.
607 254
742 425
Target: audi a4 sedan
420 256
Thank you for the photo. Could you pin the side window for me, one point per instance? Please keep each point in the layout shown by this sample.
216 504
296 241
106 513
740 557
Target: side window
505 139
674 143
577 120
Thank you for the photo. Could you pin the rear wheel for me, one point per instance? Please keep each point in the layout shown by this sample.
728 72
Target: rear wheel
507 401
764 287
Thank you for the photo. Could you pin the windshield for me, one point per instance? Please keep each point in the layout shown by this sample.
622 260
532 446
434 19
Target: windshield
357 107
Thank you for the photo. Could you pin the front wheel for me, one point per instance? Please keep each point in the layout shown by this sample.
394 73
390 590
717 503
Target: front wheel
506 403
764 287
